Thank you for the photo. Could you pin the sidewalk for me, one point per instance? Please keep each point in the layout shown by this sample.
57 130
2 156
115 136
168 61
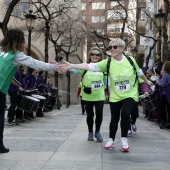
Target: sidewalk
58 141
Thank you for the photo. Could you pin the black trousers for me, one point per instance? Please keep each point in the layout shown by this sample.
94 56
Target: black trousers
122 108
2 115
12 108
90 114
164 109
134 115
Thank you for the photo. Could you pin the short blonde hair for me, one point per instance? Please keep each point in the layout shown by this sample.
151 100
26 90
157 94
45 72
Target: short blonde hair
99 50
117 41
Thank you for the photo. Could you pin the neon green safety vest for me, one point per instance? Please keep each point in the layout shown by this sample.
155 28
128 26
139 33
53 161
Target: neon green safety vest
7 70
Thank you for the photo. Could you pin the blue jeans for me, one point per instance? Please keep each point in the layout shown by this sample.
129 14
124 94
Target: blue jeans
2 115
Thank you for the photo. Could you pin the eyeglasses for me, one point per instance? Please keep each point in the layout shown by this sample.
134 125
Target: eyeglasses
115 47
95 54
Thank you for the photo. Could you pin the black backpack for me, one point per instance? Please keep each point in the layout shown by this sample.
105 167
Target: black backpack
108 67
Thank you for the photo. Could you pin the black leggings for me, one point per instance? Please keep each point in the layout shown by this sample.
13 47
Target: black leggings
90 114
123 108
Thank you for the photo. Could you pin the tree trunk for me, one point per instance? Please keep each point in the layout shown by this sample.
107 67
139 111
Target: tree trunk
68 86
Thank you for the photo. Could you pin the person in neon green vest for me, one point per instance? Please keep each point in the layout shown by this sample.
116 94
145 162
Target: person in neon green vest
93 94
123 89
11 56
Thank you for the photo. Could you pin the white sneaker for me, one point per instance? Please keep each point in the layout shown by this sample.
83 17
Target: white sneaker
134 127
109 144
129 133
125 145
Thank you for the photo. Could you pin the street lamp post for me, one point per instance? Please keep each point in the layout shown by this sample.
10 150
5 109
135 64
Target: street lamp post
160 23
30 21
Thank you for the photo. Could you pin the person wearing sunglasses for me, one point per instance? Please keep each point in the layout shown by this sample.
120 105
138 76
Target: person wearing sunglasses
93 94
123 91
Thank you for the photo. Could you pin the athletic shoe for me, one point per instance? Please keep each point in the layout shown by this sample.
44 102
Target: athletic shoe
14 122
129 133
134 127
109 144
90 136
98 137
124 145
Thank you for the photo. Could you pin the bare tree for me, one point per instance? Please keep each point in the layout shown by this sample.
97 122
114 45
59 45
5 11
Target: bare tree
67 38
4 23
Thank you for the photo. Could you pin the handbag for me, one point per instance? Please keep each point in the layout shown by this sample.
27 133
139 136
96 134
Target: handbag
87 90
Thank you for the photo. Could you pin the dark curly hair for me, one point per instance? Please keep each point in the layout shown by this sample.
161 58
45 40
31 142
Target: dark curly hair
166 67
13 40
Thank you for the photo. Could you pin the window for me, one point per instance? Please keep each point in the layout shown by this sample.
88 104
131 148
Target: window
145 41
115 3
97 44
98 5
143 14
83 7
116 28
116 14
100 31
97 19
19 9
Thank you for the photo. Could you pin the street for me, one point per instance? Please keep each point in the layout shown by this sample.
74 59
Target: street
58 141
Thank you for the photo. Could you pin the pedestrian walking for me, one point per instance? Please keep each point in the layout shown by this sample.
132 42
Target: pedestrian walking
123 87
11 56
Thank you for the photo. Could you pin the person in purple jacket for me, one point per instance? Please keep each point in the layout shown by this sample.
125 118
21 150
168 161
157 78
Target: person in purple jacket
41 86
13 92
164 105
40 82
29 83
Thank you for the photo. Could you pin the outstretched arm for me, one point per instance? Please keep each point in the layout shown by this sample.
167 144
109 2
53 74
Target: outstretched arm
148 82
68 65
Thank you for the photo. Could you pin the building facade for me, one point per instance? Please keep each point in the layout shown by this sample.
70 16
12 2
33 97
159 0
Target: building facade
17 20
104 20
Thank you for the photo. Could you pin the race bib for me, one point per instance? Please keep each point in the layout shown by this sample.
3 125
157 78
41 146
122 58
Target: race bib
122 86
96 85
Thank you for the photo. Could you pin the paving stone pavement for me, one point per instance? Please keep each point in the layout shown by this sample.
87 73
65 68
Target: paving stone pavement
58 141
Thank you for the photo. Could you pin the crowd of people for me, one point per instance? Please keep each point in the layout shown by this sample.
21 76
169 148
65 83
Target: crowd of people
118 77
23 84
157 105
